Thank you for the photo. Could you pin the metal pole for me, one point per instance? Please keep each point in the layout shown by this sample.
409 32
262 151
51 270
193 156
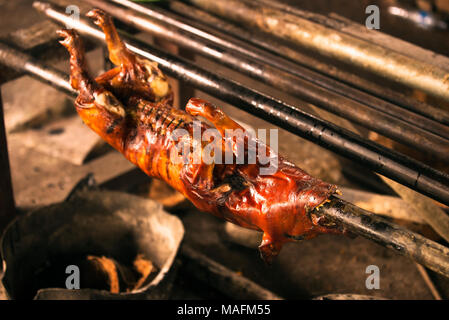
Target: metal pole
364 223
429 253
210 24
389 163
22 62
332 43
373 119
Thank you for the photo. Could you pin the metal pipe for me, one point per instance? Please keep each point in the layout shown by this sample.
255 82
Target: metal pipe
275 70
7 205
434 216
25 63
373 119
364 223
430 254
211 24
332 43
398 167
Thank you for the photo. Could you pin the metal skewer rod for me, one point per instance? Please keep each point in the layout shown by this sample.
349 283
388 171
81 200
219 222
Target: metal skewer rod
23 62
219 46
208 23
371 118
366 224
356 220
392 164
332 43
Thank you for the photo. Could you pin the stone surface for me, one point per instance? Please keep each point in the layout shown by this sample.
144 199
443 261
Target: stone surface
68 139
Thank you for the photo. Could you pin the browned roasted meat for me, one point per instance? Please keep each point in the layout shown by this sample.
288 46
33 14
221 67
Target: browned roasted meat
130 107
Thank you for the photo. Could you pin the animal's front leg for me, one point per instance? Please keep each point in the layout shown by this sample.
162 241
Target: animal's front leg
269 248
221 121
233 134
231 185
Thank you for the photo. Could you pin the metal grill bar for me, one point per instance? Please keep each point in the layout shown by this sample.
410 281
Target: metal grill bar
332 43
25 63
368 225
392 164
358 221
217 45
372 118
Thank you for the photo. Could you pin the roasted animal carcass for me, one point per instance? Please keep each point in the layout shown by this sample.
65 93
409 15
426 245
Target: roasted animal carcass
130 107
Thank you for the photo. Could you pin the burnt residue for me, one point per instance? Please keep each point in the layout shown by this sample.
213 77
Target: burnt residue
117 228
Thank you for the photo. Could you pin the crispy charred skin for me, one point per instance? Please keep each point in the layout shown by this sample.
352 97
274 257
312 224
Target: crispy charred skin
130 107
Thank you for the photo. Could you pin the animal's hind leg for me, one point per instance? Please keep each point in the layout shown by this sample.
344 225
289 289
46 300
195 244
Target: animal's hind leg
143 76
79 75
233 134
118 53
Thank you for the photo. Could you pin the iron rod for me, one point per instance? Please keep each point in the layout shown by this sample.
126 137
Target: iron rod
390 163
332 43
427 252
373 119
212 24
364 223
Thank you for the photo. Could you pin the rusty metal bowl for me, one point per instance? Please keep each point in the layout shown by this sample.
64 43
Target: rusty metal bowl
100 223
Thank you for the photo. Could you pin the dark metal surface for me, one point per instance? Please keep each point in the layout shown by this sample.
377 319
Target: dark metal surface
392 164
349 108
7 206
211 23
364 223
